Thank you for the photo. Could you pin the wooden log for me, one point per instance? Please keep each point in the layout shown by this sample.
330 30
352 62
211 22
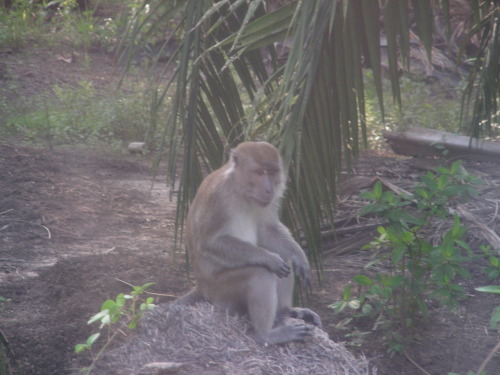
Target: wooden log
423 142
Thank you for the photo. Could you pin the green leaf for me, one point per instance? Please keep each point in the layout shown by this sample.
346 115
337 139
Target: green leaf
102 315
367 195
147 306
372 209
92 338
393 281
141 289
494 261
377 190
79 348
495 318
363 280
489 289
338 306
108 305
367 309
354 304
121 299
397 254
347 292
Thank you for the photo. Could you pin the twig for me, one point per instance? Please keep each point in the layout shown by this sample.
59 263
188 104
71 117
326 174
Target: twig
488 358
4 212
494 215
147 292
415 364
487 233
394 188
12 260
30 222
8 352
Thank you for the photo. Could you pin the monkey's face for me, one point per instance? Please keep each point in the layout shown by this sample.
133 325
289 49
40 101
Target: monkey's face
261 185
257 169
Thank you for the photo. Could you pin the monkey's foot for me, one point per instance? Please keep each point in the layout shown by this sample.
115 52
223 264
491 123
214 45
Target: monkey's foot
307 316
285 333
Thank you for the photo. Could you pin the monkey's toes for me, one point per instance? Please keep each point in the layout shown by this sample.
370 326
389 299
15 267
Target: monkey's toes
301 331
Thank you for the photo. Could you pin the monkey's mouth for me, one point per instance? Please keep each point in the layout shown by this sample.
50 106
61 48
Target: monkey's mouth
262 203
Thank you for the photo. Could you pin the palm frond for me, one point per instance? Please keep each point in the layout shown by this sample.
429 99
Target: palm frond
483 85
229 86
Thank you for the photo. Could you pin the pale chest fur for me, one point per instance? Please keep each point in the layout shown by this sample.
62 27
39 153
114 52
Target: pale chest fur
243 226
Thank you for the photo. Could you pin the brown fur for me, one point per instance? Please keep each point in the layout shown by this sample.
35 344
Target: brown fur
244 257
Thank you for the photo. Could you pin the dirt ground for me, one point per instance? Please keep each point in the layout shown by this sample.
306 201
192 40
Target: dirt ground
75 221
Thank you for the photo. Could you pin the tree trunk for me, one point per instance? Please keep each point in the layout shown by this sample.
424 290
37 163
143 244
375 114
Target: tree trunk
423 142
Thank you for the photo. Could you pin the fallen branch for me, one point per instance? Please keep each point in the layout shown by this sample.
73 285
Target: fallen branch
430 142
349 244
488 234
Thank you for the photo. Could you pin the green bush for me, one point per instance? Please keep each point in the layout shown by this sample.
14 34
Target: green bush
117 315
81 115
419 270
423 105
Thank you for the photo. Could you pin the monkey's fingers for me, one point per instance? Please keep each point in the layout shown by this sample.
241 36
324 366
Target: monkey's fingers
305 278
301 331
307 316
284 270
313 318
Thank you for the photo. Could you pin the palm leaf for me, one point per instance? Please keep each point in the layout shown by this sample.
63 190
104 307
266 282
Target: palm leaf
312 107
483 85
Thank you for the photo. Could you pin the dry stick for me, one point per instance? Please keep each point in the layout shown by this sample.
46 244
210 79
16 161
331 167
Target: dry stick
487 233
415 364
488 358
494 215
9 353
394 188
30 222
147 292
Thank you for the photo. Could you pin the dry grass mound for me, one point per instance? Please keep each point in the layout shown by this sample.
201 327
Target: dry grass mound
201 339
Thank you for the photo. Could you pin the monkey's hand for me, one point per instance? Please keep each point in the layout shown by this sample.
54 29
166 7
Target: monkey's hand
301 268
279 266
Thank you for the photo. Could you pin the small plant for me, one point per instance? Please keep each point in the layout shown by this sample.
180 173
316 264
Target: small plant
493 269
125 311
418 269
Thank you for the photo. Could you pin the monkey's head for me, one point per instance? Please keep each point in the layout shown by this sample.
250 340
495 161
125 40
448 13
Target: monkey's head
258 171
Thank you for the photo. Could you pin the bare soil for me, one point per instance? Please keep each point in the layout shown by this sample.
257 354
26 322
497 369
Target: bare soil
74 221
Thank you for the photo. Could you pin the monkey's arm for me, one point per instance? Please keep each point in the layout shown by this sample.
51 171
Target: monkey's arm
277 238
227 251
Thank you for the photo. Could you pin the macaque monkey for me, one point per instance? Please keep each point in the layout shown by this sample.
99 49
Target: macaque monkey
244 258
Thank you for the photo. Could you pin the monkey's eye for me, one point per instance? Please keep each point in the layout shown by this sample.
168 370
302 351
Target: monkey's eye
260 172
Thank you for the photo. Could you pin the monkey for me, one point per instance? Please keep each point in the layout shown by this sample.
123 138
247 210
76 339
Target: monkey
244 259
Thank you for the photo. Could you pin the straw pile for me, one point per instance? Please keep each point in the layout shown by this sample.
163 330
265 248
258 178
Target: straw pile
200 339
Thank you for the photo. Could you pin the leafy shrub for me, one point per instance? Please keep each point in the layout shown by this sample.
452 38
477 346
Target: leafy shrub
419 270
125 311
81 115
